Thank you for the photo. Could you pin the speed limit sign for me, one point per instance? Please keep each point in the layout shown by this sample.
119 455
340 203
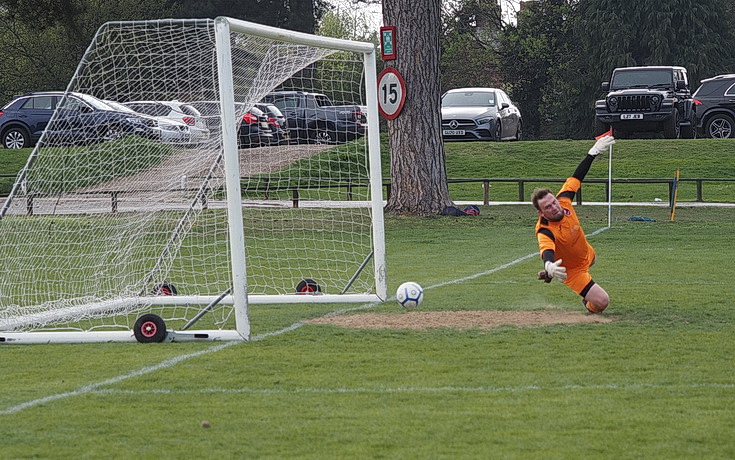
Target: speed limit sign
391 93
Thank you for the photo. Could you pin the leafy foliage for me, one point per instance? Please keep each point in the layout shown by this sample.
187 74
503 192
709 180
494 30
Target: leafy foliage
560 51
44 40
470 36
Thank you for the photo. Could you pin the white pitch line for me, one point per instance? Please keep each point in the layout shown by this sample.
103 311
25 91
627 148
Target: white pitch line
389 390
95 387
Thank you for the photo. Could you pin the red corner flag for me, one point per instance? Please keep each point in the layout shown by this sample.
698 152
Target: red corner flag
608 133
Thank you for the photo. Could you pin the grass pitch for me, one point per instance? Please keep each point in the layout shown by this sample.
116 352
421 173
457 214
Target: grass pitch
657 382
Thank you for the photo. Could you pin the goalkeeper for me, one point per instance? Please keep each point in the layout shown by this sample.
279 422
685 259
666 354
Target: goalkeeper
566 254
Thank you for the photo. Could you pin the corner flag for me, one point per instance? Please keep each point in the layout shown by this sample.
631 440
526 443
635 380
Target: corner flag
609 132
674 194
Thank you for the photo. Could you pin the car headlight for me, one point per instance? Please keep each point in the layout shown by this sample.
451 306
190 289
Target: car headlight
484 121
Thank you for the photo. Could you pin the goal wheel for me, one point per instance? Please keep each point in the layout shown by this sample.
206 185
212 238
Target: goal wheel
149 328
308 286
164 288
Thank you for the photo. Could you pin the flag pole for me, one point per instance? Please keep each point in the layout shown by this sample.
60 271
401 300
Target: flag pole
609 186
609 177
674 194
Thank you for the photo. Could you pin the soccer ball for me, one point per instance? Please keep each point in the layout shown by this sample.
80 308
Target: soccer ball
409 294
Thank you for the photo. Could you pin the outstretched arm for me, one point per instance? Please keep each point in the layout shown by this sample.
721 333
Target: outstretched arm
600 146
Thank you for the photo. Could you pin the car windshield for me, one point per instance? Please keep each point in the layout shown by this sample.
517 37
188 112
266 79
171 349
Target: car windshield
94 102
119 107
469 99
152 108
641 79
187 110
273 111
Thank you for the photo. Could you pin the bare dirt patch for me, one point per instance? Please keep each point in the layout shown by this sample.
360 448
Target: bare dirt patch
460 319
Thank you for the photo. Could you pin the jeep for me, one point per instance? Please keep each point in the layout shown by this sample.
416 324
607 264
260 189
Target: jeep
652 99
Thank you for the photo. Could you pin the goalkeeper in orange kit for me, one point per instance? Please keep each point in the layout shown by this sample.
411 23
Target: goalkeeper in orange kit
566 254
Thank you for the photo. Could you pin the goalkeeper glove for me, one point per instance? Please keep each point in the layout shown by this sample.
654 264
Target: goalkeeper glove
555 270
601 145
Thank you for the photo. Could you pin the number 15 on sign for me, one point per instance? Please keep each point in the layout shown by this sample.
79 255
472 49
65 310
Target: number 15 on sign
391 93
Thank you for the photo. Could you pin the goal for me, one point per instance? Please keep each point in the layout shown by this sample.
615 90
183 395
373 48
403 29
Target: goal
175 224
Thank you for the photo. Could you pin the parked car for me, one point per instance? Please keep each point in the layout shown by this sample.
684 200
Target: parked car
23 119
253 129
714 107
648 99
277 123
312 117
175 110
80 119
165 130
480 114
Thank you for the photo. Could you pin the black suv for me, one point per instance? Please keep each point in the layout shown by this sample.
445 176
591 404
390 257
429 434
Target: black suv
646 99
714 107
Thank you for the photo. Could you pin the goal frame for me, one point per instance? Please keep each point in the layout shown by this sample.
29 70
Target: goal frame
238 295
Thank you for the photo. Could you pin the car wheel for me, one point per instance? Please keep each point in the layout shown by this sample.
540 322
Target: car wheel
672 127
498 131
323 135
112 133
519 131
16 138
720 126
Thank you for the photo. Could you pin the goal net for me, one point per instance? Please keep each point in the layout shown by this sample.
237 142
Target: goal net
162 205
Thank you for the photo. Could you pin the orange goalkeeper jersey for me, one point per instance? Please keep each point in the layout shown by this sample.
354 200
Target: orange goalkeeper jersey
566 237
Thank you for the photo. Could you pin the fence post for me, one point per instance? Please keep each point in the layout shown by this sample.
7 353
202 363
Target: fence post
699 190
295 199
349 189
113 196
521 193
486 192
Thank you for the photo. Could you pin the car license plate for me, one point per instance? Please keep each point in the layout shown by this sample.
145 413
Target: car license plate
454 132
631 116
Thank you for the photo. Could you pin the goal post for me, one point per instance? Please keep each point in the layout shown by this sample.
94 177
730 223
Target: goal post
137 226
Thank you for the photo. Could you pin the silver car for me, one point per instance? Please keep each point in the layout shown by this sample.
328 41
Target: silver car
480 114
165 130
175 110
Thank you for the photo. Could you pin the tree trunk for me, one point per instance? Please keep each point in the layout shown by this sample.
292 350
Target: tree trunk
418 169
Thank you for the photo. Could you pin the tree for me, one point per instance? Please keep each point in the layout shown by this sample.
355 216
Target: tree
468 42
418 169
299 15
695 34
537 58
44 40
341 24
559 52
